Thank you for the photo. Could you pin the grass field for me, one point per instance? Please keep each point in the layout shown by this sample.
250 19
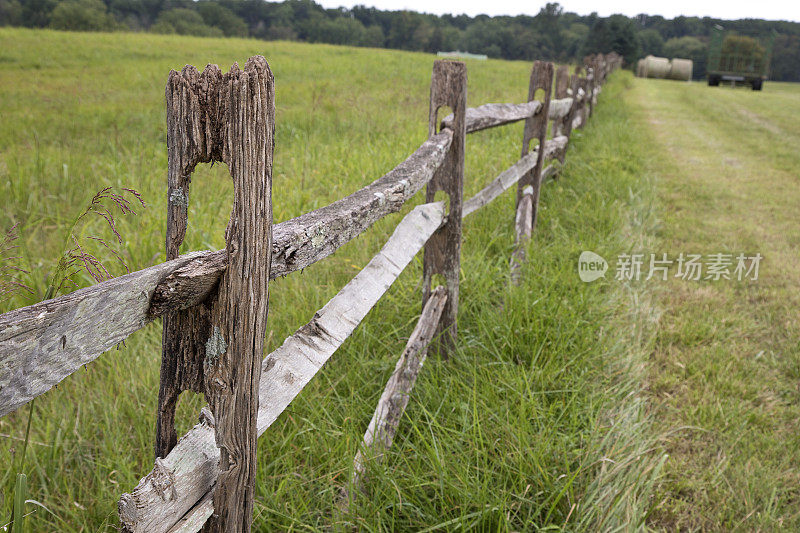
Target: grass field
537 422
724 383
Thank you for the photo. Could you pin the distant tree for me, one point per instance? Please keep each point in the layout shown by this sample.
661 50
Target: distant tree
492 50
339 30
689 48
223 18
82 15
136 14
616 33
451 37
423 37
401 31
574 37
786 58
373 36
278 23
650 42
549 31
484 36
10 13
36 13
184 22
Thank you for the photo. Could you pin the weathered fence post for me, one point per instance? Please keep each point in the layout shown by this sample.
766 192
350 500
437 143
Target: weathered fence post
561 91
443 250
588 62
530 183
566 125
581 96
216 346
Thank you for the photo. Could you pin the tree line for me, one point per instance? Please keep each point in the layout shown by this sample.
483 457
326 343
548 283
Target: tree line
551 34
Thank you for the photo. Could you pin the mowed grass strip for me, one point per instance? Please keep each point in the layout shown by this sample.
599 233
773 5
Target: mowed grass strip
536 421
727 360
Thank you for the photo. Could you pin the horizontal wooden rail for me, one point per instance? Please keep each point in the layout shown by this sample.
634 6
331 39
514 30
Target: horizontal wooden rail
559 108
308 238
493 115
185 477
512 175
42 344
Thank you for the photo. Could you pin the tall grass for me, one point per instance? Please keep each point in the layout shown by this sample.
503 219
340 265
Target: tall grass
536 421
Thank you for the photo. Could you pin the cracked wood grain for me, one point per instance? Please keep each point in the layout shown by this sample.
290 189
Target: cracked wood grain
523 229
562 90
216 346
42 344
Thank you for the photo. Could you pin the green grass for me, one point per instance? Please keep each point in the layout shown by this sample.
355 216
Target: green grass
536 422
727 359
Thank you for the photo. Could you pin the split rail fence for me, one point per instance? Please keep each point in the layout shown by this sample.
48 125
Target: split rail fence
214 303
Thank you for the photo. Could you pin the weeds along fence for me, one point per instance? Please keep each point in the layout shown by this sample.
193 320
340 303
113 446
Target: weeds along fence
214 304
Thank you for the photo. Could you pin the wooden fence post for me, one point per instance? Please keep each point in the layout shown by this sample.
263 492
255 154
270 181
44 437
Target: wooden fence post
561 91
530 183
588 62
566 125
215 347
581 85
443 250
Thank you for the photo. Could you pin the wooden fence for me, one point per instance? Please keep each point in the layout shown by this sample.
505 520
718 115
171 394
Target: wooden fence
214 303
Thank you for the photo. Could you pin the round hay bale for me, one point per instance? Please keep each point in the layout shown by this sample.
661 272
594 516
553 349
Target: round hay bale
640 68
656 67
680 69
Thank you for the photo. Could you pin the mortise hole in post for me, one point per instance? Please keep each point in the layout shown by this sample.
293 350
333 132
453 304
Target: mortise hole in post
438 279
539 95
211 198
533 144
187 406
441 196
441 113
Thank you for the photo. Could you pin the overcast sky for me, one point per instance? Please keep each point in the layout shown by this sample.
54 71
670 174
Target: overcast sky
762 9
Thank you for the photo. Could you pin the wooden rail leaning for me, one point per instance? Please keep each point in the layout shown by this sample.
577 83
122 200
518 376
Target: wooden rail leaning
394 400
209 471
